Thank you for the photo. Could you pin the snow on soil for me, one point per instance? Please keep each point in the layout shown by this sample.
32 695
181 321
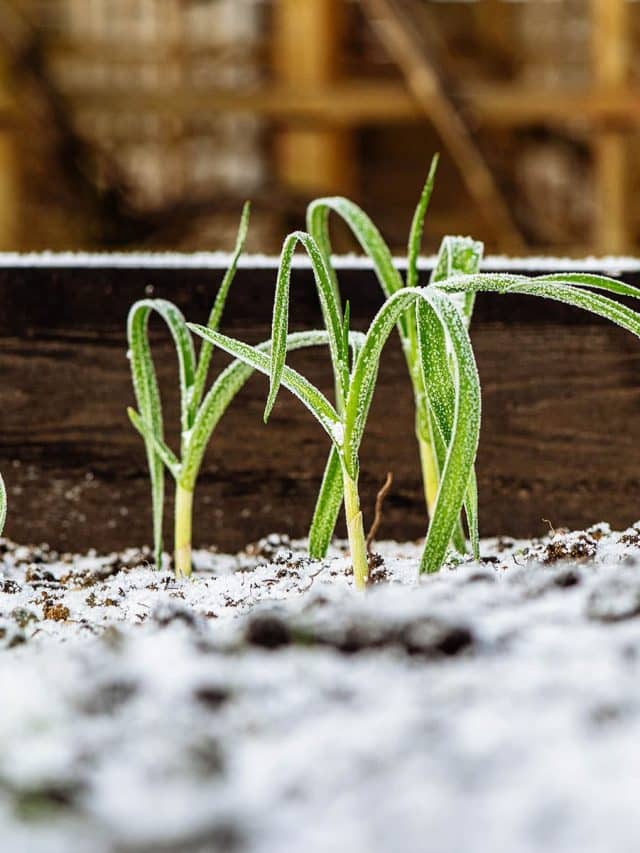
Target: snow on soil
266 706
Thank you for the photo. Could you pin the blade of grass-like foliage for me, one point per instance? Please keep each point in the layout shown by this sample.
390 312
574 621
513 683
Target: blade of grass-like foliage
141 355
220 395
204 359
601 282
459 251
460 255
147 393
436 313
327 508
440 383
365 373
3 504
331 494
308 395
365 233
165 453
417 225
569 294
439 312
331 313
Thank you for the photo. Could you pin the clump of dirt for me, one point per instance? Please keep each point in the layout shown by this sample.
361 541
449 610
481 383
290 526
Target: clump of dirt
577 547
631 536
378 572
55 611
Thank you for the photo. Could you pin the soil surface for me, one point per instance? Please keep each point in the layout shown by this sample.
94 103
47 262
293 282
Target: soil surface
266 706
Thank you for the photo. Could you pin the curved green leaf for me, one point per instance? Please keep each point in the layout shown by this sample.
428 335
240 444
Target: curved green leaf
438 313
308 395
147 393
331 313
365 233
327 508
365 373
569 294
601 282
165 453
221 394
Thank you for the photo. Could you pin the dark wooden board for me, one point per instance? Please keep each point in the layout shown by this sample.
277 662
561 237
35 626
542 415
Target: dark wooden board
561 414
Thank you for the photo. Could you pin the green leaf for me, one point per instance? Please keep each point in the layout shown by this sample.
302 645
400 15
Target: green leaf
438 313
554 289
146 431
331 492
216 312
417 225
459 256
147 393
600 282
471 508
221 394
365 373
331 313
365 233
308 395
327 507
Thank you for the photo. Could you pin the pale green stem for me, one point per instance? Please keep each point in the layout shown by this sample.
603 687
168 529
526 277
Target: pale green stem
182 544
355 530
430 477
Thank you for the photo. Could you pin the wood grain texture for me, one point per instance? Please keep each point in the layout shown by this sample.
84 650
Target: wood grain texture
559 439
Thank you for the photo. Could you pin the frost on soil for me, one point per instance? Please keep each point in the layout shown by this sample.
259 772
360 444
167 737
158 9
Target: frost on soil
265 706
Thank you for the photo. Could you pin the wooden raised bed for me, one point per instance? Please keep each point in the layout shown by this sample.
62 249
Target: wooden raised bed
561 409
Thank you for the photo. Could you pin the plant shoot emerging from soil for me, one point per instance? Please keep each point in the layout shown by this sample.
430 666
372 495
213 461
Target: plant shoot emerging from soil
457 255
199 412
450 379
433 323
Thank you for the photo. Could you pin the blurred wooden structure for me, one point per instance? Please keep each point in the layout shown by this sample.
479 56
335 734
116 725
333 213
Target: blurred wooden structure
177 95
9 179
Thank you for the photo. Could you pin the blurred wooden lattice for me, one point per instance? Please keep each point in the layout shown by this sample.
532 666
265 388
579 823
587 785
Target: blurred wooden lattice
174 104
101 49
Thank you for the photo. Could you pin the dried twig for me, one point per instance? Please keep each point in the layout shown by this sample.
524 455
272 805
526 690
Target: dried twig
377 518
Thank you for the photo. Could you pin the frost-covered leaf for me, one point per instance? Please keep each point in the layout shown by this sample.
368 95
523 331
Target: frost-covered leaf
147 393
437 315
365 373
222 393
327 508
547 288
365 233
313 399
417 225
215 316
331 314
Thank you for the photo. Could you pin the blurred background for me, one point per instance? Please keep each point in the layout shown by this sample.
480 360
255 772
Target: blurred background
130 124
